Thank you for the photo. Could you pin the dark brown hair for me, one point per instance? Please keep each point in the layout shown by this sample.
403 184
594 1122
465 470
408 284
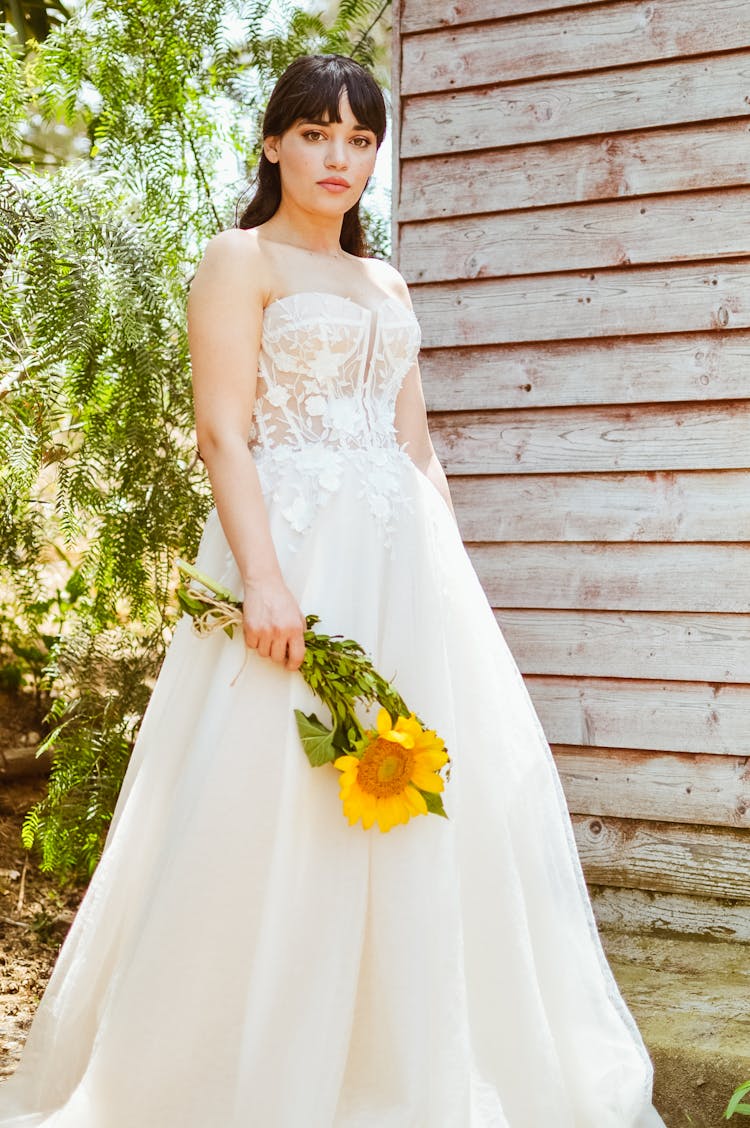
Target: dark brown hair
311 87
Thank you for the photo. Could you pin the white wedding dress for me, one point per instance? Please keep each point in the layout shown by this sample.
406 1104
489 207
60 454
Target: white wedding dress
243 957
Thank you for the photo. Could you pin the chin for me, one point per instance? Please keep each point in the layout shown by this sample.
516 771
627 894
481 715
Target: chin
336 207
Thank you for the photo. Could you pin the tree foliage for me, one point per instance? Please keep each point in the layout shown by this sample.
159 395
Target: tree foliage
100 486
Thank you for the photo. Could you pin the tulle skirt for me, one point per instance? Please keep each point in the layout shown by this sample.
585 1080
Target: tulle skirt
244 957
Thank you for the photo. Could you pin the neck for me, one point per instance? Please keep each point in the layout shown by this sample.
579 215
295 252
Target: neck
320 234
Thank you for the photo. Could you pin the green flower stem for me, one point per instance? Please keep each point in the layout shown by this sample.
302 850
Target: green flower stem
219 592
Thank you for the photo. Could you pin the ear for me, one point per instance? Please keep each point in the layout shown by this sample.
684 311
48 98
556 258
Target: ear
271 149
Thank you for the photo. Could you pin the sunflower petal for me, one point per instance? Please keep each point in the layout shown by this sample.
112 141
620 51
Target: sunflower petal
427 781
402 738
415 800
430 760
383 721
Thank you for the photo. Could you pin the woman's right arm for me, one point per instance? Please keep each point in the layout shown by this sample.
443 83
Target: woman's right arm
225 322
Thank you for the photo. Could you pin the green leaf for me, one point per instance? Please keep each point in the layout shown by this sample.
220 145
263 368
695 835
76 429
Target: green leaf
434 801
344 736
188 602
317 739
734 1103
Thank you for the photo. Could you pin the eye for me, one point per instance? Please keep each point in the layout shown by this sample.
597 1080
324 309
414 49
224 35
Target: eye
316 133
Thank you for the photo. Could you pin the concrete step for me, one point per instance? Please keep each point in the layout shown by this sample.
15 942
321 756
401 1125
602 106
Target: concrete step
691 1000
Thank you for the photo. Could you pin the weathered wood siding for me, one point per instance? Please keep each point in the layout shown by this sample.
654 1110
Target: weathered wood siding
572 212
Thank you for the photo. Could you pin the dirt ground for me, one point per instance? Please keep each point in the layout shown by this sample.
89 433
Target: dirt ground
35 913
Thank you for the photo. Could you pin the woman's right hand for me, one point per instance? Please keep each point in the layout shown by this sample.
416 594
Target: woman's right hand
273 623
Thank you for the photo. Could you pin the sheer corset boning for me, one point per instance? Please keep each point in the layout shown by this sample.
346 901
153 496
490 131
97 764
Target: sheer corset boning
326 375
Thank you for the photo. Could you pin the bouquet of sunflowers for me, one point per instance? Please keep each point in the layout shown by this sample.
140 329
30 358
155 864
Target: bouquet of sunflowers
389 773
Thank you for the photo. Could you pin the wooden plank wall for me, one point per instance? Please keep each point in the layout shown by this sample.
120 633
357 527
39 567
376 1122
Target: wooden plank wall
572 212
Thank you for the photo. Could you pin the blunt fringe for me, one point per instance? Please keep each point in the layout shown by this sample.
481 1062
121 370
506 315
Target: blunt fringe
311 87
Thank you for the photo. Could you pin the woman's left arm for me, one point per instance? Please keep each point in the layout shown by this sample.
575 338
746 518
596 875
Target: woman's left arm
412 428
411 412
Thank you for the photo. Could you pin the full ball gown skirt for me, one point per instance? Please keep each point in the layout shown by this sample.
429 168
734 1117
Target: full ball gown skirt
243 957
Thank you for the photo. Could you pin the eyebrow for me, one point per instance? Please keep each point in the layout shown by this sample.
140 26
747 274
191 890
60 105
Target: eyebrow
327 121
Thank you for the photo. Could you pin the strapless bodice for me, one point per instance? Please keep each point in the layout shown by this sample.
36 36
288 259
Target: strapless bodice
329 372
330 369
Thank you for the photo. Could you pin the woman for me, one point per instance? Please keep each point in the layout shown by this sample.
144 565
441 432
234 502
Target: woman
243 955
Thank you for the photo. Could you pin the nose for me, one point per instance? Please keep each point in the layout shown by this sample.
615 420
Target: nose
336 154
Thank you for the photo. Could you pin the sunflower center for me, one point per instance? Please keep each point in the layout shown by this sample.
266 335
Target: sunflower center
386 768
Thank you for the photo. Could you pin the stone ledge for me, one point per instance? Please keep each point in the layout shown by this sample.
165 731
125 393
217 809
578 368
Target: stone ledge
690 999
22 762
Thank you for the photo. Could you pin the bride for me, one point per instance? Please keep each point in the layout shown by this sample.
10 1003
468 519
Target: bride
447 973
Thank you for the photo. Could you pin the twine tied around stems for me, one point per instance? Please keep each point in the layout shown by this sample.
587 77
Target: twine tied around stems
213 608
219 615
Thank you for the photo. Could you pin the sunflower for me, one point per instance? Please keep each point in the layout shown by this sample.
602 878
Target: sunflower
392 765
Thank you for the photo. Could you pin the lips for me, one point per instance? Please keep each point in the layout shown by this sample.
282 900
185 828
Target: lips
335 180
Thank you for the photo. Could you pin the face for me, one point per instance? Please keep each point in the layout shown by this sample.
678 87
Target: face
325 166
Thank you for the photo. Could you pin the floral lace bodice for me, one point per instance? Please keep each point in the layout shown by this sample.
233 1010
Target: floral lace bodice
329 371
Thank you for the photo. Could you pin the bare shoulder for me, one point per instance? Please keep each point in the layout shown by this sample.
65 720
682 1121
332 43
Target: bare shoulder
232 262
385 275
